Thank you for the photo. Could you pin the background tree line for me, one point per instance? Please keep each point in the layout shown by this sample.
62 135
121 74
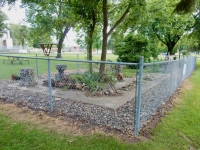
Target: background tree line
131 27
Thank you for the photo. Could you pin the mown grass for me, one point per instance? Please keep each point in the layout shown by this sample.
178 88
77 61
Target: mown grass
16 135
180 129
41 66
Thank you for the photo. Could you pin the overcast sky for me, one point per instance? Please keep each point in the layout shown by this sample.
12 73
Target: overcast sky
17 14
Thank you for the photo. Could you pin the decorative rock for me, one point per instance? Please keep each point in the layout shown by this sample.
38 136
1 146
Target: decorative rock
45 82
61 69
120 76
148 78
106 92
79 86
60 85
111 91
84 88
57 99
27 76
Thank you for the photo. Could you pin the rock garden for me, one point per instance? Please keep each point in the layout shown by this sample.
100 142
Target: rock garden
109 101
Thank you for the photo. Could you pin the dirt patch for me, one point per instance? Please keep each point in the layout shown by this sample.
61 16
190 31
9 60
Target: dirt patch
63 124
38 118
59 123
187 85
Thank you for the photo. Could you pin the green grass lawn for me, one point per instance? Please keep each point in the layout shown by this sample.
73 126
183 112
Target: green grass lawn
68 55
180 130
41 66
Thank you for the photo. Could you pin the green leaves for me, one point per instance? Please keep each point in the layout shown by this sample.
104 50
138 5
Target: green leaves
163 24
19 34
2 18
132 47
185 6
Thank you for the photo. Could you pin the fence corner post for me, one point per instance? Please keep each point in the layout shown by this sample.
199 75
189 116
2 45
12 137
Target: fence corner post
49 84
138 100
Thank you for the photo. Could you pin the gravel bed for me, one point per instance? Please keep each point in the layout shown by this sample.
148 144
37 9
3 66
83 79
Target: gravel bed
121 118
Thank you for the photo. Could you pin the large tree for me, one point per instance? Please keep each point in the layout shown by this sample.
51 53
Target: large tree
54 18
9 2
183 6
3 17
19 34
164 24
114 13
38 37
188 43
89 17
186 6
131 47
87 23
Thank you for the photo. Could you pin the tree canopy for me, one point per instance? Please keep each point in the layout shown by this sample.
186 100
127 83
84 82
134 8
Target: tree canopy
185 6
3 17
19 34
132 47
108 21
164 24
51 18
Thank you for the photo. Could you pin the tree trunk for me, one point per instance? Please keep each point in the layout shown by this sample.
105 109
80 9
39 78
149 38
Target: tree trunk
107 34
90 42
61 40
23 43
170 47
105 37
89 49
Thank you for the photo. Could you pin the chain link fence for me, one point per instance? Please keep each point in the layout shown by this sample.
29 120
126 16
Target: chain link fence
115 94
160 81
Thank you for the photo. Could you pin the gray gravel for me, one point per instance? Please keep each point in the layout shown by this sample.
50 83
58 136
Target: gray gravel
120 117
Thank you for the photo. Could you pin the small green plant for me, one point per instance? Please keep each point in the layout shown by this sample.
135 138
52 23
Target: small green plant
127 72
93 81
62 118
65 88
185 52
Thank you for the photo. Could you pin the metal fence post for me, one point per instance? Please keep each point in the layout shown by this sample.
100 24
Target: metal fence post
195 61
78 62
170 82
36 65
50 88
138 103
182 68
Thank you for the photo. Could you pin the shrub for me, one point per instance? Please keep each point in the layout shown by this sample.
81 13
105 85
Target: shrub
132 47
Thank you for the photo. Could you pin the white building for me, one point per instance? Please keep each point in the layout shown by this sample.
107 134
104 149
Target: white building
74 48
5 41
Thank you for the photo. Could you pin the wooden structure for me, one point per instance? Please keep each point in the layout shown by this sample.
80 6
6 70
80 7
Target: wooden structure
46 47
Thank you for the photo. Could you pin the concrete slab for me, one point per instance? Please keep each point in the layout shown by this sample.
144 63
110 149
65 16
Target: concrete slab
106 101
